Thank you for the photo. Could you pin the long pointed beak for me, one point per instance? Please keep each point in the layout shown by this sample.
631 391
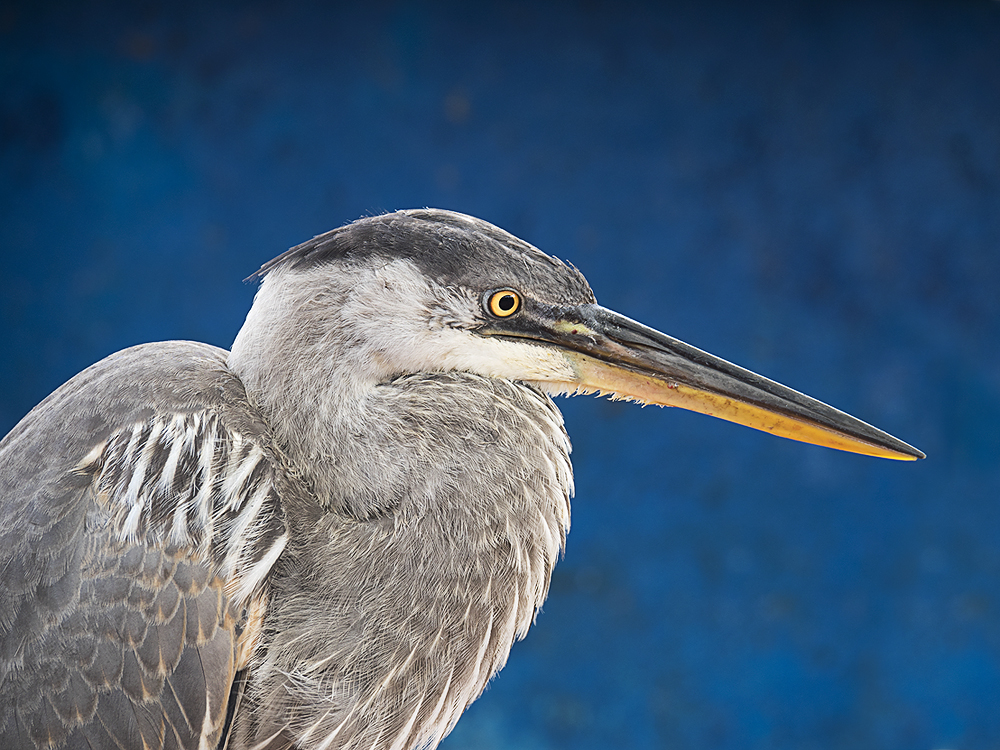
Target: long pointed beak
618 356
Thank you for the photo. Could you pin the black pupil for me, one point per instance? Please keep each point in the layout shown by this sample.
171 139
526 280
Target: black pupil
506 302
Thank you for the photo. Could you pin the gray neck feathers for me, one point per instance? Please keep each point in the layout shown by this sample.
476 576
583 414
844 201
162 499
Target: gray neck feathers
446 497
311 355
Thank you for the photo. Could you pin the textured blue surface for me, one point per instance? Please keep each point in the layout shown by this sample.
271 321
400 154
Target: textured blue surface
811 190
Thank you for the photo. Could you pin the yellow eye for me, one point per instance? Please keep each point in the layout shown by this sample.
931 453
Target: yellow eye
504 303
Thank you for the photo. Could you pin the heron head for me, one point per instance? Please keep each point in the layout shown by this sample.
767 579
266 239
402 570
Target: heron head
434 291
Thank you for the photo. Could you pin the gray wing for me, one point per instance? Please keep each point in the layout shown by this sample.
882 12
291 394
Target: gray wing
138 522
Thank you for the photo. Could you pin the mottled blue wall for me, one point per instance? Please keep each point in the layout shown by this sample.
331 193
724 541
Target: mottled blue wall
811 190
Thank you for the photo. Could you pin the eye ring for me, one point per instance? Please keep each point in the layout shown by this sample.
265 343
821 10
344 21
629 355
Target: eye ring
503 303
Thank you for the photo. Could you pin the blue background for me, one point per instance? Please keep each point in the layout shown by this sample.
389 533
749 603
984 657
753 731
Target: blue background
811 190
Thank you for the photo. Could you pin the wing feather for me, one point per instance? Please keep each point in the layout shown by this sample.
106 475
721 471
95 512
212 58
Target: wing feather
133 502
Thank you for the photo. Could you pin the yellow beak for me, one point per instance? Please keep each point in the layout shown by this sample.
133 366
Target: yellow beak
612 354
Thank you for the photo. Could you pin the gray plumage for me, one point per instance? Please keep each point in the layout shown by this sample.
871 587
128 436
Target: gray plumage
122 565
330 536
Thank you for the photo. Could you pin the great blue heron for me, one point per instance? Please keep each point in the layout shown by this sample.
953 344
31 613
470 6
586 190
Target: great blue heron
330 536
